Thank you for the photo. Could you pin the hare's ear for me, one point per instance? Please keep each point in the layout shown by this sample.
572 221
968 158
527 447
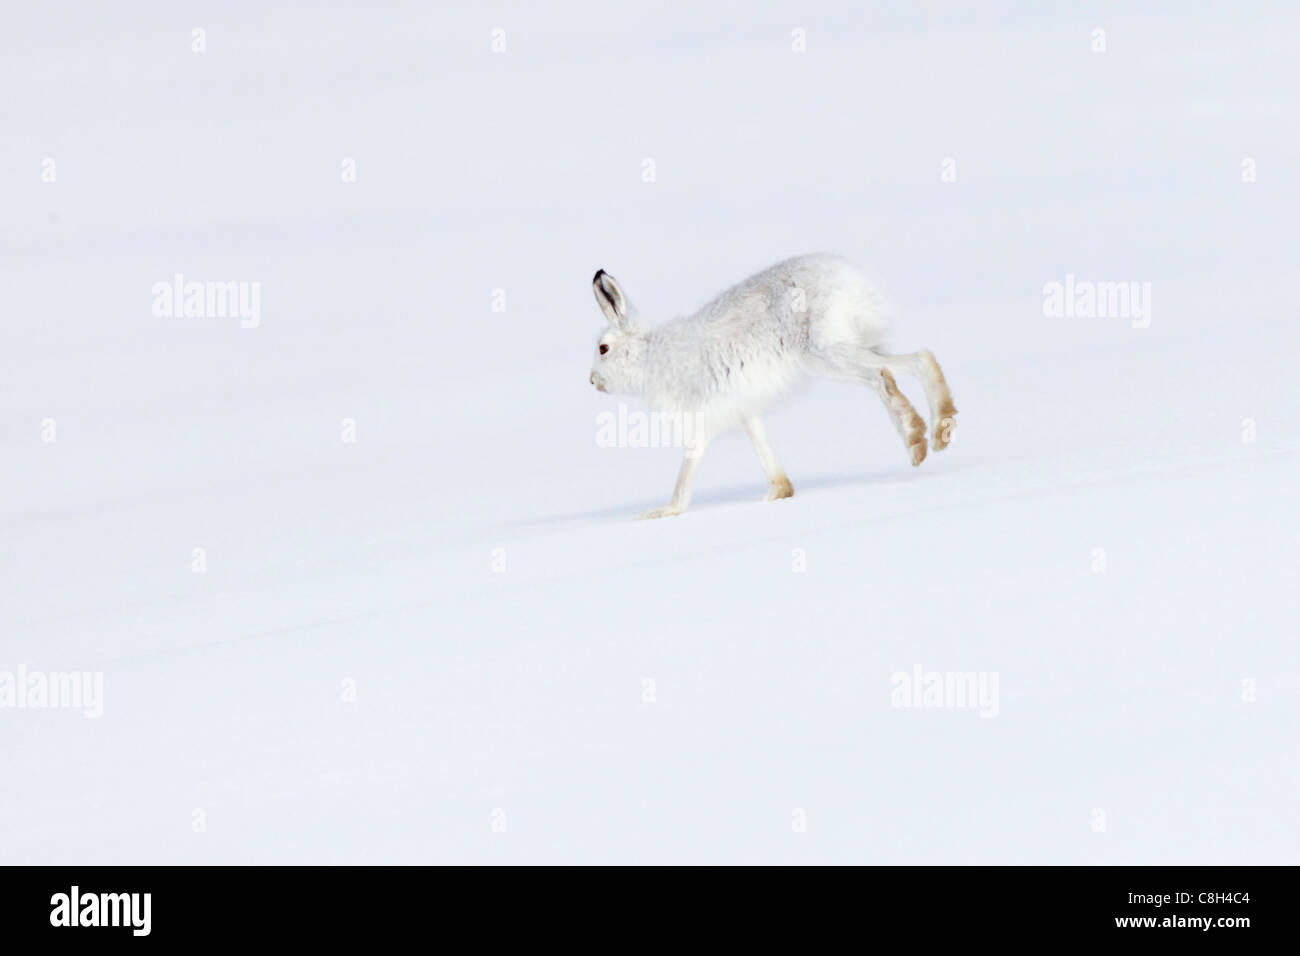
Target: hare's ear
610 298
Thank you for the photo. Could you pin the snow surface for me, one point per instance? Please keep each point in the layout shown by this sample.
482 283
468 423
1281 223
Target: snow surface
1149 713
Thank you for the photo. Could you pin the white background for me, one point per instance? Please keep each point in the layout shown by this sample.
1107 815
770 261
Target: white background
522 691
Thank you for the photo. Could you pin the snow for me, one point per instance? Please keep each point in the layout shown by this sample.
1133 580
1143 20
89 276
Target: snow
1147 712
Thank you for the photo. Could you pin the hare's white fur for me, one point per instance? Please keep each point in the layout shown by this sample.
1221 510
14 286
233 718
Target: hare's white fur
729 362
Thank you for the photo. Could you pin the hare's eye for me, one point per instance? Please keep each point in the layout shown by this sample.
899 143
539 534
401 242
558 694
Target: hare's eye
604 349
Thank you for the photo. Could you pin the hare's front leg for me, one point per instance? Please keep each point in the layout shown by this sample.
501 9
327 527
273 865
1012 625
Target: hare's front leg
682 491
778 485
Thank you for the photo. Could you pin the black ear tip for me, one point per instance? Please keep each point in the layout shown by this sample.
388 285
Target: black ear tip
599 273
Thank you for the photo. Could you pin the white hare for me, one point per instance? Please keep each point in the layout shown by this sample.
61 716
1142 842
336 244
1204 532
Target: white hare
725 365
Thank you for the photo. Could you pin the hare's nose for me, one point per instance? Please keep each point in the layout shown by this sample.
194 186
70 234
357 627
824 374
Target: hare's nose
592 378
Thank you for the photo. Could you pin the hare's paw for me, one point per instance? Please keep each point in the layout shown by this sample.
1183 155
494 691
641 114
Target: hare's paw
917 452
665 512
781 488
943 426
916 440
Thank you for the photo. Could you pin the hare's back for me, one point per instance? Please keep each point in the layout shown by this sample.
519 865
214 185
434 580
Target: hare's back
844 305
824 300
809 302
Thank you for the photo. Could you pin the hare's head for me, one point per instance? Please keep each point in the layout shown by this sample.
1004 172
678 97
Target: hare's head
620 350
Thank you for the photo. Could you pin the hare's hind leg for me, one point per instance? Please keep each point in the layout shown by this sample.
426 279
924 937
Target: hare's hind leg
943 413
778 485
843 367
923 366
906 420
